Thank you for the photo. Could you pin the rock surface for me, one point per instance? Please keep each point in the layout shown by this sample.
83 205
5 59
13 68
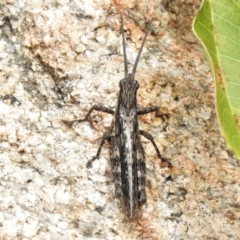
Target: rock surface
58 58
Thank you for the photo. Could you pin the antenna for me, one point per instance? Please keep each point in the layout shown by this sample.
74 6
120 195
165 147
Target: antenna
124 49
140 51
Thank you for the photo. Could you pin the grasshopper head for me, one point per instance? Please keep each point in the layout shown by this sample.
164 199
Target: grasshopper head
128 85
128 91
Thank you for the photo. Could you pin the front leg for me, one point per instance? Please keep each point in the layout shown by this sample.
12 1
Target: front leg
106 135
152 109
150 138
147 110
99 108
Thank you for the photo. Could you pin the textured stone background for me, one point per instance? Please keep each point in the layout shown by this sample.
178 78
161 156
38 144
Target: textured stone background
57 59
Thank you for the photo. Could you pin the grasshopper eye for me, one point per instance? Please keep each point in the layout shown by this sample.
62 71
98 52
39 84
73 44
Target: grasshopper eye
121 83
136 84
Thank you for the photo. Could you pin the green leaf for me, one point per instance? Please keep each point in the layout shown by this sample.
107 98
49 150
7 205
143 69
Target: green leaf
217 26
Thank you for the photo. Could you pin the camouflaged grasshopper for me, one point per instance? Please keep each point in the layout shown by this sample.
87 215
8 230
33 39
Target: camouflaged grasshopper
126 151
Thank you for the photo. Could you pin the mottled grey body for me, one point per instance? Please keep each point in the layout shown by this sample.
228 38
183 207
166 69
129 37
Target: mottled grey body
126 152
127 155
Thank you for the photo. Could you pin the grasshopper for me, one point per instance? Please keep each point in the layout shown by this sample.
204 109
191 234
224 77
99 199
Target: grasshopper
126 151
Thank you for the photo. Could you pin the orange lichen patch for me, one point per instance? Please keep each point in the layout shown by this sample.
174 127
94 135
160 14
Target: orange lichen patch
227 172
137 35
231 217
212 178
135 32
187 164
122 4
147 118
144 229
141 5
